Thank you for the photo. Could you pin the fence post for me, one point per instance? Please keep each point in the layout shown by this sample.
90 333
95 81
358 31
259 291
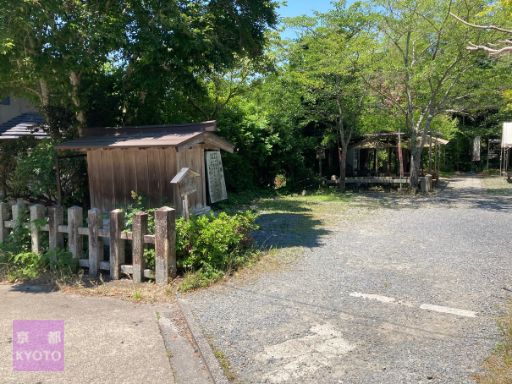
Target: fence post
116 243
95 243
5 214
139 229
36 213
75 220
17 211
165 245
55 218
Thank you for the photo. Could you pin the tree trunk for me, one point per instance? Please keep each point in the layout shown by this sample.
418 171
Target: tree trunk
417 148
415 168
74 79
342 152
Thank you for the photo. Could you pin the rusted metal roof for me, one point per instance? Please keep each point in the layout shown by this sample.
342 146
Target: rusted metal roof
178 135
26 124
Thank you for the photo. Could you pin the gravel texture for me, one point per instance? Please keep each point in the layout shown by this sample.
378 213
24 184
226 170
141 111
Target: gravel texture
300 324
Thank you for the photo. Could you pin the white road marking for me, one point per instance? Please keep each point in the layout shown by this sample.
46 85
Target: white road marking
427 307
370 296
452 311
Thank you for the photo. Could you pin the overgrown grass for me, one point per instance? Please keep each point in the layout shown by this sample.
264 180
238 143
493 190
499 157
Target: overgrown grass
497 186
200 279
491 172
446 173
244 200
272 199
225 365
497 369
56 267
223 361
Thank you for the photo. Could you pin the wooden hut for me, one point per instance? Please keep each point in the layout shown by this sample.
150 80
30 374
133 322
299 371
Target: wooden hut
145 159
364 164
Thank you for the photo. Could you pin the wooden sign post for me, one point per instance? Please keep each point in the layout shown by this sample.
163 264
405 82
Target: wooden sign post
185 182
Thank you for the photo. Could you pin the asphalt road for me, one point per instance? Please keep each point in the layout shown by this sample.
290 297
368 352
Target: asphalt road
405 290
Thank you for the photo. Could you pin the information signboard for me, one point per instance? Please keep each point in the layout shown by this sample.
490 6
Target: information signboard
215 172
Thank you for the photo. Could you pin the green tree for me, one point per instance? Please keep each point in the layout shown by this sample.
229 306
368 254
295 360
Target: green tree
425 64
494 20
329 59
64 53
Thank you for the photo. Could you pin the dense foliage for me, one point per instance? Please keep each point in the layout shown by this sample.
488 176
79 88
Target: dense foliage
370 66
17 262
213 244
208 246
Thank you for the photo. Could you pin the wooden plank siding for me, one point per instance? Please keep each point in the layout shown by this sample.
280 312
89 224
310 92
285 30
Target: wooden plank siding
93 176
130 161
120 198
155 181
115 173
193 158
108 172
203 176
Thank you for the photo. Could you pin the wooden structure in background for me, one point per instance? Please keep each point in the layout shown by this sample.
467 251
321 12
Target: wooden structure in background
365 167
145 159
19 118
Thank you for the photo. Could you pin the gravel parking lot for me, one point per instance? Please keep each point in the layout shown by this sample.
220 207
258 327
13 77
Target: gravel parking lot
396 290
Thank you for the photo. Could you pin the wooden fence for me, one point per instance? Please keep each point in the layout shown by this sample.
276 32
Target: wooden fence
51 220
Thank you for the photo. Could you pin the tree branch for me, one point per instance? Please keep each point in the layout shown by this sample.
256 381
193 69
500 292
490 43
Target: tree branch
492 51
492 27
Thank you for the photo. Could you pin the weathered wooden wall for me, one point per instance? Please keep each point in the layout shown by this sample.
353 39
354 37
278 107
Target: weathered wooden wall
193 158
115 173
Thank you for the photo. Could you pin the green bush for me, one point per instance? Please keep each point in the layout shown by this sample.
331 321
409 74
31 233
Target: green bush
59 261
25 265
214 244
34 176
18 240
18 263
138 204
207 246
29 265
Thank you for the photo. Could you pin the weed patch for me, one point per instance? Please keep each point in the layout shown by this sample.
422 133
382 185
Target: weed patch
497 369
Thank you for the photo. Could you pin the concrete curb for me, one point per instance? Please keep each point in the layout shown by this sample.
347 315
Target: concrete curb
186 361
205 350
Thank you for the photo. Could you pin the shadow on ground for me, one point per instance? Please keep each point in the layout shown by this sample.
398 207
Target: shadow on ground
289 223
284 230
33 287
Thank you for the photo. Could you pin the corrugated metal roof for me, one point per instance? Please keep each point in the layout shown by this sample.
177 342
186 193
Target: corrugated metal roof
26 124
148 136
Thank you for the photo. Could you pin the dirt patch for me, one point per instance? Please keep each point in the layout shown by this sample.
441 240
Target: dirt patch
124 289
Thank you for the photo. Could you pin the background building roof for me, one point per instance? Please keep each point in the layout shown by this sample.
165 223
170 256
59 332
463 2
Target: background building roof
178 135
26 124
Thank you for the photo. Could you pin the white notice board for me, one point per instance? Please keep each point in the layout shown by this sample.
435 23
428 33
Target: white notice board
506 138
215 172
